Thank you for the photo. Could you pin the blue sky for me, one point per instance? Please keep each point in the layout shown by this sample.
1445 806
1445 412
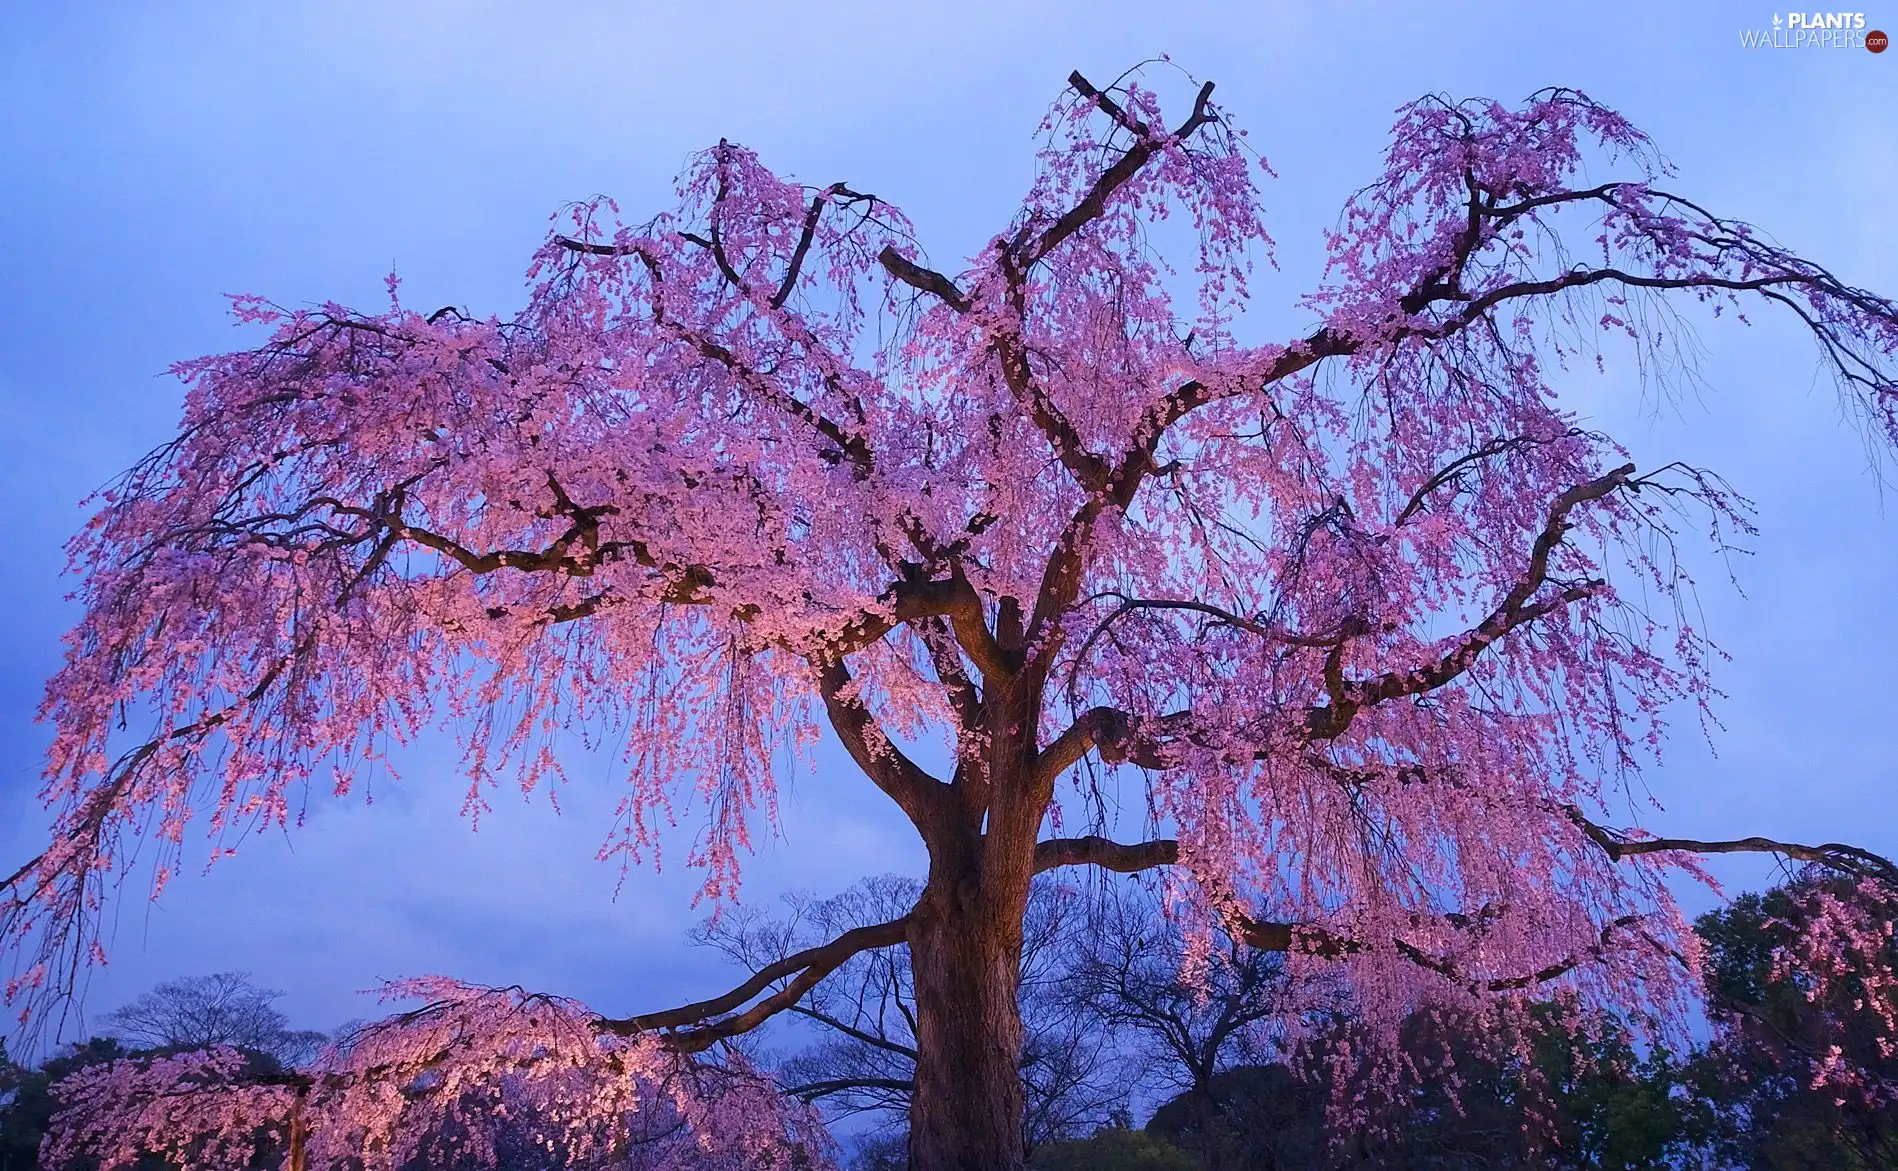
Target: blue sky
153 158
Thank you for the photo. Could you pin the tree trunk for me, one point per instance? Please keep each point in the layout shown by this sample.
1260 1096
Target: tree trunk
965 953
298 1158
1209 1120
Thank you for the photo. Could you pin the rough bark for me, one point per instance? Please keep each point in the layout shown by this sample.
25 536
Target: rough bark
965 953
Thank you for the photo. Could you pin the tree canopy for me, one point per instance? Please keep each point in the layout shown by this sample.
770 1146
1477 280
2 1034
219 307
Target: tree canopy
1376 628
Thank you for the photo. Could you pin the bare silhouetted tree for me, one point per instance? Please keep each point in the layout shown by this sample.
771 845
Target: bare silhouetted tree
197 1012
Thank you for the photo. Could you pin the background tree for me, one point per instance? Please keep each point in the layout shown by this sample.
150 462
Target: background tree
1561 1092
1185 1034
198 1012
1566 1095
179 1016
1781 1030
1113 1148
1375 627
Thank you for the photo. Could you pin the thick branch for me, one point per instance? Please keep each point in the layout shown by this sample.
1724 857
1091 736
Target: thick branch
796 266
1590 954
1267 935
1146 145
914 600
1105 853
901 779
694 1027
922 279
1835 856
1118 735
1272 936
1281 937
1513 611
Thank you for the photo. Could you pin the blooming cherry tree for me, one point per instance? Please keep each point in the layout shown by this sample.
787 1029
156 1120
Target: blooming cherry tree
1375 625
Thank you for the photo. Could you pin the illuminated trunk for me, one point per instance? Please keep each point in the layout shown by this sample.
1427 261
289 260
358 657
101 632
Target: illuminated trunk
965 952
298 1158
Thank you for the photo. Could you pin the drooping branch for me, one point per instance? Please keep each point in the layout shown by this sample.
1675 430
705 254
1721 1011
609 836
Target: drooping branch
1278 936
1593 953
1310 940
64 873
1562 967
1267 935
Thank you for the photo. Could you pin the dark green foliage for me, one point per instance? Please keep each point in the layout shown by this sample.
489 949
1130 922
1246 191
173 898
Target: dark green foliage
1601 1105
1252 1116
1113 1148
1770 1034
1616 1108
29 1102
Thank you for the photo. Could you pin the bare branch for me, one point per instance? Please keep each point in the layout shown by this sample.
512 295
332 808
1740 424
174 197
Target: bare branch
811 1091
1105 853
695 1027
1835 856
856 1034
923 279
